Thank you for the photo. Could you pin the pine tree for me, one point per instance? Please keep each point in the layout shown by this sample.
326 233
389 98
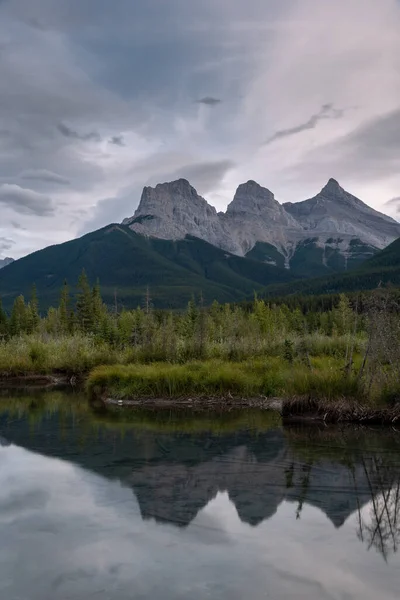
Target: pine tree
98 308
32 313
84 304
63 309
344 316
18 319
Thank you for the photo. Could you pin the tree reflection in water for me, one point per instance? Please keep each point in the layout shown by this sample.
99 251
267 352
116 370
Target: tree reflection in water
382 529
371 458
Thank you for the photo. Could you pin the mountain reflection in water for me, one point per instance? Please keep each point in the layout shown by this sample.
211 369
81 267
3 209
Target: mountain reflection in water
175 476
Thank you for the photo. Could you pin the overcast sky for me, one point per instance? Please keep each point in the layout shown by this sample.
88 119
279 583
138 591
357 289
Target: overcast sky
99 98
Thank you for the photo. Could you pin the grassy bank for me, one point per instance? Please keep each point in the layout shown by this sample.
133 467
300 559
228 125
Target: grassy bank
228 353
45 355
249 379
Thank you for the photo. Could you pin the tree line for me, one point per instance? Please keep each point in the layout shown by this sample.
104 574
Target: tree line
86 313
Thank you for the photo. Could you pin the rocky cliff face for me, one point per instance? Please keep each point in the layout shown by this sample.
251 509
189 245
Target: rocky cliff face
332 231
255 216
5 261
170 211
334 211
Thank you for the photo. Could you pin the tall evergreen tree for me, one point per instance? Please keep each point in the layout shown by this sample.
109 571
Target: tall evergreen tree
84 304
32 314
63 309
97 303
18 319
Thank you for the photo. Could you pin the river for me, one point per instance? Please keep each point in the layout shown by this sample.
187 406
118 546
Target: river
135 506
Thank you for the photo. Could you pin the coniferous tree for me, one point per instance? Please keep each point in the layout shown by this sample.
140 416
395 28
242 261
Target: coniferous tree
84 304
64 310
98 308
32 312
18 319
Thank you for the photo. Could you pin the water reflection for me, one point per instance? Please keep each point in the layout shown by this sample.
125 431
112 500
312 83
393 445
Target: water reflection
382 529
177 509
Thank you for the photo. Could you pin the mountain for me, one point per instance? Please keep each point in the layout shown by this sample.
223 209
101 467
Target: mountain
387 258
177 245
171 211
5 261
381 270
255 216
126 263
331 232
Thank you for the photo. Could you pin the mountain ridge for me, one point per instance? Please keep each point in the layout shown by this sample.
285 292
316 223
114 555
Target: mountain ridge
328 223
127 264
257 247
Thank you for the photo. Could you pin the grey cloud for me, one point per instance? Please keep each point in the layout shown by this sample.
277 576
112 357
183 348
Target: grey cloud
370 152
71 133
204 175
98 68
44 175
117 140
327 111
378 139
6 243
111 210
16 225
25 201
394 202
209 101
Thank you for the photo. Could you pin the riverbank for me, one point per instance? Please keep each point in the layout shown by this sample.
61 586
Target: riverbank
229 381
291 410
321 393
304 410
313 378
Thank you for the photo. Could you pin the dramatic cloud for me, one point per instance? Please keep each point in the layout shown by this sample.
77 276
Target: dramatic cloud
44 175
327 112
209 101
99 99
25 201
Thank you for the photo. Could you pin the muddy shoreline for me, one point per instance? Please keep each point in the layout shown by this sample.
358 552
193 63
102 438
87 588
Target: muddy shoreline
302 410
298 410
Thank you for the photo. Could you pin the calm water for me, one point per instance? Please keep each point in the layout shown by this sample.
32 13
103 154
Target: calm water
105 506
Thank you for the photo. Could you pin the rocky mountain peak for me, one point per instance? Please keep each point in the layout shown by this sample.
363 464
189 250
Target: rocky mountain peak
173 210
180 187
336 211
333 192
251 197
332 187
5 261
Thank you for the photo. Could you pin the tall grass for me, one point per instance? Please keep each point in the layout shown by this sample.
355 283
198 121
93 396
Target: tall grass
268 378
70 354
79 353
